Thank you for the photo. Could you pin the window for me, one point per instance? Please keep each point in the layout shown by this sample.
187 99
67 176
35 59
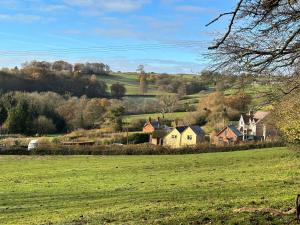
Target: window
190 137
174 136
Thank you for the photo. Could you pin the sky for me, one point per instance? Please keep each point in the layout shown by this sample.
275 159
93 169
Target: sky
167 36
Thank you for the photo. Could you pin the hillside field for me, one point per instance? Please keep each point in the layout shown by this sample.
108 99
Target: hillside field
179 189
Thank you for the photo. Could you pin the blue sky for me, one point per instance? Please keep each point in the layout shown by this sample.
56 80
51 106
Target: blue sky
164 35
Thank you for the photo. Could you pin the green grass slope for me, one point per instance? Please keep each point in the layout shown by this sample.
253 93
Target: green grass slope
195 189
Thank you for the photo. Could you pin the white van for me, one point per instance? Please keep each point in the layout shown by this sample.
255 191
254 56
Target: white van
33 144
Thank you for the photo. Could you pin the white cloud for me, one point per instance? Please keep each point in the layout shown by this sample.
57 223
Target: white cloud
117 32
109 5
20 18
52 8
191 9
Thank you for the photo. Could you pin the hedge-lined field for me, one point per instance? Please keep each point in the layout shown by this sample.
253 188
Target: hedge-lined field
195 189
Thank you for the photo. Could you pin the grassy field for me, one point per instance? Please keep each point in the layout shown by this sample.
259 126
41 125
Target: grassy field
131 82
194 189
170 116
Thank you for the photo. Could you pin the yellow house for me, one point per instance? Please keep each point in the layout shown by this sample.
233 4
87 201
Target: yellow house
184 136
173 139
192 135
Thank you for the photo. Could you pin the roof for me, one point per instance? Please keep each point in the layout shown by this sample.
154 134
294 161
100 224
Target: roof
197 129
247 118
181 128
261 114
233 129
155 124
159 134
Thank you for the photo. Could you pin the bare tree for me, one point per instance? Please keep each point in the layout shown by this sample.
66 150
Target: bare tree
168 103
262 36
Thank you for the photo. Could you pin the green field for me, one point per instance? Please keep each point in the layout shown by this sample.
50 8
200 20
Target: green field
169 116
183 189
131 82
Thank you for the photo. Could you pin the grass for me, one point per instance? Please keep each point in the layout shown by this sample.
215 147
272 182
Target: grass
131 82
170 116
195 189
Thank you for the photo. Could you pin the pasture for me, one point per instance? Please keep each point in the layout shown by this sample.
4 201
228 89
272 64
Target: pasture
173 189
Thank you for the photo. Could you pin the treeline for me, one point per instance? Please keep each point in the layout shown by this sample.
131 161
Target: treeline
60 77
48 112
179 85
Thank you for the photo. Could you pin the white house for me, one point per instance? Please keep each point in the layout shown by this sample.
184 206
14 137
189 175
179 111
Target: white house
253 125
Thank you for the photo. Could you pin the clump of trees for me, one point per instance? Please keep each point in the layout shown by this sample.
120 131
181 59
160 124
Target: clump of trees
60 77
217 110
179 85
117 90
48 112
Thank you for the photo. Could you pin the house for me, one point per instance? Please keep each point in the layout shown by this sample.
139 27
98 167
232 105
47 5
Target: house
256 126
153 125
173 138
192 135
229 135
184 136
157 137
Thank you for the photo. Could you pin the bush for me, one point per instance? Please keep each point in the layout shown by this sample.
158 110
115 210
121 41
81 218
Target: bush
138 138
142 149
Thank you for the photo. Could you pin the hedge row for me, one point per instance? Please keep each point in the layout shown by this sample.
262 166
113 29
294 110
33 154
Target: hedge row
133 149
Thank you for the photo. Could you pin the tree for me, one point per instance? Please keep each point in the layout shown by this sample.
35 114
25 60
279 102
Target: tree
62 66
287 118
117 90
143 83
3 114
43 125
168 103
93 79
141 69
213 106
19 119
240 101
262 36
93 112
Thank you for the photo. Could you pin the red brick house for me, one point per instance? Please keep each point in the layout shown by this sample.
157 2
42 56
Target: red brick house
228 135
153 125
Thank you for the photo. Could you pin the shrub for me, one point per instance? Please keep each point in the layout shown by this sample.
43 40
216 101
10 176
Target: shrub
141 149
138 138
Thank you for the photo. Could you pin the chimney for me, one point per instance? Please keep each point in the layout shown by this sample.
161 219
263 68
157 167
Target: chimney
251 113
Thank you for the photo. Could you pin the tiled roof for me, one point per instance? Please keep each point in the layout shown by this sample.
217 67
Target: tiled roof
197 129
155 124
235 131
181 128
261 114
